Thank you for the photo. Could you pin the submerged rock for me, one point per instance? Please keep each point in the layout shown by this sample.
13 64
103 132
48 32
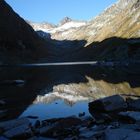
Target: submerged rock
13 82
81 114
32 117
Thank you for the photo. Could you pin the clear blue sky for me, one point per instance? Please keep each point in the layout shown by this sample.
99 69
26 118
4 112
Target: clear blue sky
54 10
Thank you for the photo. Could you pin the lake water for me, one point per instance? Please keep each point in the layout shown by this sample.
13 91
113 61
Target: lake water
61 91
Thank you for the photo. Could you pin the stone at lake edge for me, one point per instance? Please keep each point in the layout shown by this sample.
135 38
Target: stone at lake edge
3 138
130 115
134 105
121 134
3 113
20 131
13 82
2 103
14 123
40 138
108 104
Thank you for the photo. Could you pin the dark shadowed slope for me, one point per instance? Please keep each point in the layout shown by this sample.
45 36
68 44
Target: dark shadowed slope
18 41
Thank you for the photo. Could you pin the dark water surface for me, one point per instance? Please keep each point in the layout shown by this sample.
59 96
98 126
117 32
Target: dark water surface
60 91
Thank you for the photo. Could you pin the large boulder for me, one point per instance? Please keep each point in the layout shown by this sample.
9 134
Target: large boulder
108 104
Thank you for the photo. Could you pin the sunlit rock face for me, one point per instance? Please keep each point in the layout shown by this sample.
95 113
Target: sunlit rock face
106 36
121 20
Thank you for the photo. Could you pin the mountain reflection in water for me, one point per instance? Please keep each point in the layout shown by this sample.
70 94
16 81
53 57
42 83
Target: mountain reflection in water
51 89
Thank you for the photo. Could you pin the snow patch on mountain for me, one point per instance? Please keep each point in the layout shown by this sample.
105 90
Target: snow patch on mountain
69 25
61 29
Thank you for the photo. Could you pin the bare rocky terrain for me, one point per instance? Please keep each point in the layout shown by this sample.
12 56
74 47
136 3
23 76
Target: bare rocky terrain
121 20
112 35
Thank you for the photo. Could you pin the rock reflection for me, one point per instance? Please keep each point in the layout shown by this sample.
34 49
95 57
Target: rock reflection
69 99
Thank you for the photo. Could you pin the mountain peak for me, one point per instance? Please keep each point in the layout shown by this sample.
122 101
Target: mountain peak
65 20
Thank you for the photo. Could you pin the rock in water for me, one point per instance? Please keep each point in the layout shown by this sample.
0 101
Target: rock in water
108 104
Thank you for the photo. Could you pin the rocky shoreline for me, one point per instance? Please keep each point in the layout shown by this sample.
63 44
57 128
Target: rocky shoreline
112 118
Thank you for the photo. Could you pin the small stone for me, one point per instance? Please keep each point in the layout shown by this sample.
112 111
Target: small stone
82 114
37 124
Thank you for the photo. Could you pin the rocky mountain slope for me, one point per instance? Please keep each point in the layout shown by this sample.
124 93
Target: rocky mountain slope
18 41
112 35
122 19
